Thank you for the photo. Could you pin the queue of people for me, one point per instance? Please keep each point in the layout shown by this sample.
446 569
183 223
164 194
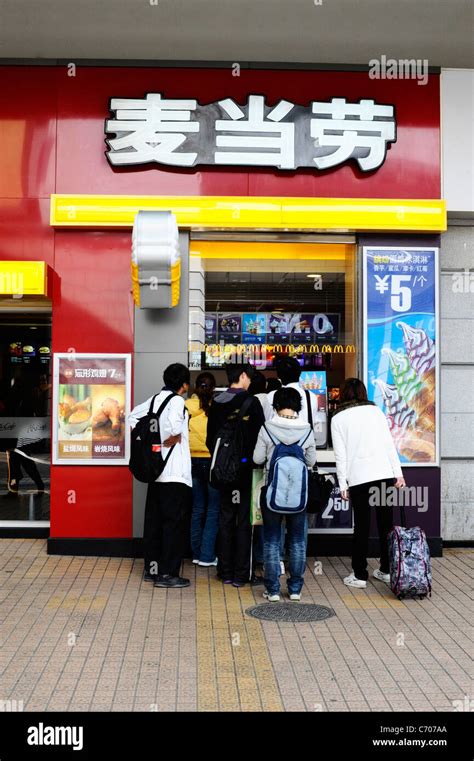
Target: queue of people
210 445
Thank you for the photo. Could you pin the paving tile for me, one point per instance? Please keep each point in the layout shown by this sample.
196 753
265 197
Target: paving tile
143 649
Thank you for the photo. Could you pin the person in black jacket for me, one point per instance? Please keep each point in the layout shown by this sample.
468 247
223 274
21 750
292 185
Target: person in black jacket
235 533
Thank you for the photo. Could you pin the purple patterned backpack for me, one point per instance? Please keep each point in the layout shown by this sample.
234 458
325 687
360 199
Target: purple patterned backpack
410 561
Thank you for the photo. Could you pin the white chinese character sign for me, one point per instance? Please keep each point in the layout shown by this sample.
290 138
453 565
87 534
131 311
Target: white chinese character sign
183 133
91 402
401 336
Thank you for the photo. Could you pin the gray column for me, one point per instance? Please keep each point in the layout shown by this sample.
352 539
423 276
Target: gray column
161 337
457 382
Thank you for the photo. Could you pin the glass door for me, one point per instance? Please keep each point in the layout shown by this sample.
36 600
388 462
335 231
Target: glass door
25 407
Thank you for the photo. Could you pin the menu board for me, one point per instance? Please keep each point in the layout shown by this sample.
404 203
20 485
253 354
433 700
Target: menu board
285 328
91 403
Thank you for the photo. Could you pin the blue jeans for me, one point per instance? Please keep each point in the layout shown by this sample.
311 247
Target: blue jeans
297 527
258 543
205 513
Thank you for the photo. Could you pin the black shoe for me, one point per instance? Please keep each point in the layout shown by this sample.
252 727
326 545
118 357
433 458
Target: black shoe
149 576
255 581
167 581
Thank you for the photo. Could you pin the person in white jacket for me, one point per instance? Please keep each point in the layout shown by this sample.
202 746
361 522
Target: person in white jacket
367 464
164 532
287 427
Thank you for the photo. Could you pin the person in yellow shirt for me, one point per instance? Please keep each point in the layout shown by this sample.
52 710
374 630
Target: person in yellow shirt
206 499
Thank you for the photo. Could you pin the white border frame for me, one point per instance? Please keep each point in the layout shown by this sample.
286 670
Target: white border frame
435 249
55 460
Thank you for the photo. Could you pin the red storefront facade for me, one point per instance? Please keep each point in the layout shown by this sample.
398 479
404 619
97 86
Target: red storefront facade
52 127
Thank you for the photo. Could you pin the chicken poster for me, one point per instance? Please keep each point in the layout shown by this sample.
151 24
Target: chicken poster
400 304
91 402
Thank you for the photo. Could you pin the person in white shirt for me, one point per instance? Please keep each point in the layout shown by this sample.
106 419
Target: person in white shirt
257 388
367 464
289 371
164 533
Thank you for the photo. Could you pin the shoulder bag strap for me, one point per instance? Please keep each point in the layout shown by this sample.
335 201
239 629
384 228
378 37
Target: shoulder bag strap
309 410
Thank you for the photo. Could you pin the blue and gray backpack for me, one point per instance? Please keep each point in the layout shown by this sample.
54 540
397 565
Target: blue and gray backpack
287 487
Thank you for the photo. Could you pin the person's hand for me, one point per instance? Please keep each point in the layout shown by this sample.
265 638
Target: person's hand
171 440
400 483
345 494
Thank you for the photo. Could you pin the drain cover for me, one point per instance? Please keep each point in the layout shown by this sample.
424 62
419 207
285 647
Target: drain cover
290 611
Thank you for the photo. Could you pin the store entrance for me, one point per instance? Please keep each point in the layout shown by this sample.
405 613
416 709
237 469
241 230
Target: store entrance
258 297
25 407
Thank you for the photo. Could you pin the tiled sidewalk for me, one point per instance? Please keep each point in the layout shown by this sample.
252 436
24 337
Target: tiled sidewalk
80 633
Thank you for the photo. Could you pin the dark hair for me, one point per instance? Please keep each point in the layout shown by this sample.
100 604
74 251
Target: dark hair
273 384
353 390
288 370
235 371
175 376
204 387
287 399
258 384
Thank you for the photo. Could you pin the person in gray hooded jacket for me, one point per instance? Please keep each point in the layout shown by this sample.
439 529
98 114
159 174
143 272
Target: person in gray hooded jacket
286 427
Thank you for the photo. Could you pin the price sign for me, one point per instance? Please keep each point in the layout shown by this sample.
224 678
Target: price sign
400 332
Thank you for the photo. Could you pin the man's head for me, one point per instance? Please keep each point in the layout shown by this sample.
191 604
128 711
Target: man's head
259 383
288 370
240 376
176 377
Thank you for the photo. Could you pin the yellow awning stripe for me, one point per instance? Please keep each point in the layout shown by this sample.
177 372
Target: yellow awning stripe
254 212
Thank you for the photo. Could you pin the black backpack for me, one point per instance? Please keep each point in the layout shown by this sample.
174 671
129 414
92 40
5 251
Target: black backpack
146 459
227 456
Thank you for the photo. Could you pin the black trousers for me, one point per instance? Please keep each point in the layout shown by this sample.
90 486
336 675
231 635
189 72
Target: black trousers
234 541
18 463
164 532
362 499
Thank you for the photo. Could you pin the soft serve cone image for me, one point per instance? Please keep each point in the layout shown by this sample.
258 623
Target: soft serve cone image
412 444
412 390
401 416
421 353
404 376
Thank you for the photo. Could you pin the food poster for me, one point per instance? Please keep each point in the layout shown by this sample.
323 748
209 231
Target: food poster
210 327
315 382
91 404
278 327
229 327
254 328
400 339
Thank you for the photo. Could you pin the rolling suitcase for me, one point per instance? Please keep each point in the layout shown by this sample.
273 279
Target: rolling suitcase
410 561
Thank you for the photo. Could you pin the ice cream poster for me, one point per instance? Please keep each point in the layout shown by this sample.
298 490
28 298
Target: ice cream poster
400 345
91 403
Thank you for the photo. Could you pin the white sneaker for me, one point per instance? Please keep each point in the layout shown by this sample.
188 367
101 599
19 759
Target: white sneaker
353 581
377 574
295 597
196 561
271 598
282 568
206 565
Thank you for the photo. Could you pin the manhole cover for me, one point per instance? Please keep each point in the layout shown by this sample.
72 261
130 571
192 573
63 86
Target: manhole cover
290 611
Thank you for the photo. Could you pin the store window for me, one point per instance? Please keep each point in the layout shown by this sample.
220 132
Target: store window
257 300
25 408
